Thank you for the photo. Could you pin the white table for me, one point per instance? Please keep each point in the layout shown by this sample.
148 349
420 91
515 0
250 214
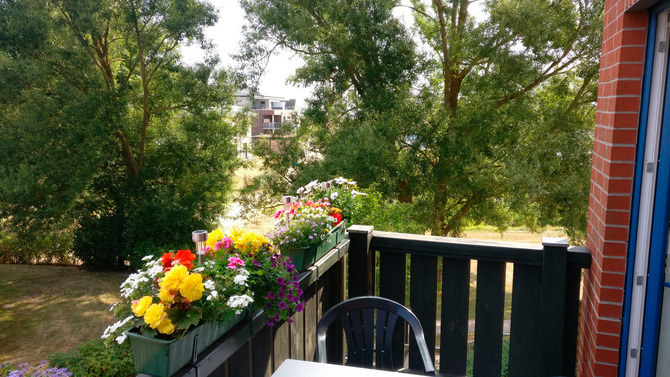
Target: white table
299 368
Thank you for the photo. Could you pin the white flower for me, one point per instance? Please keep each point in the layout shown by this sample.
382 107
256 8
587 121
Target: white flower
121 338
212 295
199 269
155 270
133 281
112 328
239 302
308 187
241 277
354 193
147 258
340 180
113 306
333 195
209 284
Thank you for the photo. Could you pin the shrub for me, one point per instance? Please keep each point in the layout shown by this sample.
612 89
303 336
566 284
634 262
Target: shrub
99 243
94 359
51 248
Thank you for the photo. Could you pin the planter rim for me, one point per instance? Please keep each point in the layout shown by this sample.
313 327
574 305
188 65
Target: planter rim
134 334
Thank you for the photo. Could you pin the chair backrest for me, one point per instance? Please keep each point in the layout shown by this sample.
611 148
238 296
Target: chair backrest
369 336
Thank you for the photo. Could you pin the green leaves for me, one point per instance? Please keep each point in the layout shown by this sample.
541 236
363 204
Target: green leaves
184 319
101 120
473 118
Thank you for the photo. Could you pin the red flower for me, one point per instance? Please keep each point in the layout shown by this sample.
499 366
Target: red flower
338 218
185 258
167 261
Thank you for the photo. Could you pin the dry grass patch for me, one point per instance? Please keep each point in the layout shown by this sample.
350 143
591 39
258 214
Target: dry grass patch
45 309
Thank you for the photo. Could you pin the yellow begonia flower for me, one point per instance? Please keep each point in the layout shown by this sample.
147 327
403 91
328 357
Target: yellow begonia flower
174 278
249 242
213 237
141 306
192 287
165 295
166 327
154 315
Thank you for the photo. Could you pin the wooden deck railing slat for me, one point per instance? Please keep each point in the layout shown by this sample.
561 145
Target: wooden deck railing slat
423 303
262 355
282 344
525 319
454 318
490 304
392 285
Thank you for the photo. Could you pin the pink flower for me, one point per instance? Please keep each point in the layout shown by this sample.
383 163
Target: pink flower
235 261
218 245
279 213
227 242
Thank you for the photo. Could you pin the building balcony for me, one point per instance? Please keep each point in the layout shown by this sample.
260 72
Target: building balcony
451 285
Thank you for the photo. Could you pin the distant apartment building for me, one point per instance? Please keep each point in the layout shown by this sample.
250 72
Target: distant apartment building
273 113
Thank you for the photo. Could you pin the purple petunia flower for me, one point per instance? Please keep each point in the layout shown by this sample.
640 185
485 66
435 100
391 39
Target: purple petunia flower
282 305
281 281
271 323
300 307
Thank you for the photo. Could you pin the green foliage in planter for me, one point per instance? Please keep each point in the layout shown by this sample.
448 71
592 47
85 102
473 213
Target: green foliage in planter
94 359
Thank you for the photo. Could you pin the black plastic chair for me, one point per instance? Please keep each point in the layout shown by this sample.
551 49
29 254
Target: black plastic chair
364 331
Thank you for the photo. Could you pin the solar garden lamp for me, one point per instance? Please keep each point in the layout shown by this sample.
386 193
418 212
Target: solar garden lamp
199 237
288 202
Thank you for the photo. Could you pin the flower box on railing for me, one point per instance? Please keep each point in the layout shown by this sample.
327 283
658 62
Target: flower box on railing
163 358
304 257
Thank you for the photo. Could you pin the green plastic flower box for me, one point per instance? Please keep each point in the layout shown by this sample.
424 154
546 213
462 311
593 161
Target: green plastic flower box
306 256
334 237
301 257
163 358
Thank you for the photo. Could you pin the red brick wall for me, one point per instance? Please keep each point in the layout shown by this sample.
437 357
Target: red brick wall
614 148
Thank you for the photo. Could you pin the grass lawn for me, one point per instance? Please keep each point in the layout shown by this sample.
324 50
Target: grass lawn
45 309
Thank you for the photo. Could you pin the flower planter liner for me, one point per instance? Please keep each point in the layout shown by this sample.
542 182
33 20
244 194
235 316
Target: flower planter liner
306 256
163 358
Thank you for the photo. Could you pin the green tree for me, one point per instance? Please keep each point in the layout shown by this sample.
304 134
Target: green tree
104 130
472 120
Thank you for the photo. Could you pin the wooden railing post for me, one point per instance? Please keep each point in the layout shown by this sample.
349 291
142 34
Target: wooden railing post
552 305
361 261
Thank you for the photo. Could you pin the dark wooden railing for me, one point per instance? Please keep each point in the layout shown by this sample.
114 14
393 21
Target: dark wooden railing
544 304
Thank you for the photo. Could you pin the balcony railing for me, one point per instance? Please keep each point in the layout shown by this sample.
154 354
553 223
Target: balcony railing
437 270
275 125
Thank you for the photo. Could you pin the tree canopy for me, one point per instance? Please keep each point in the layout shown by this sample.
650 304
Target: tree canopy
104 130
471 119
